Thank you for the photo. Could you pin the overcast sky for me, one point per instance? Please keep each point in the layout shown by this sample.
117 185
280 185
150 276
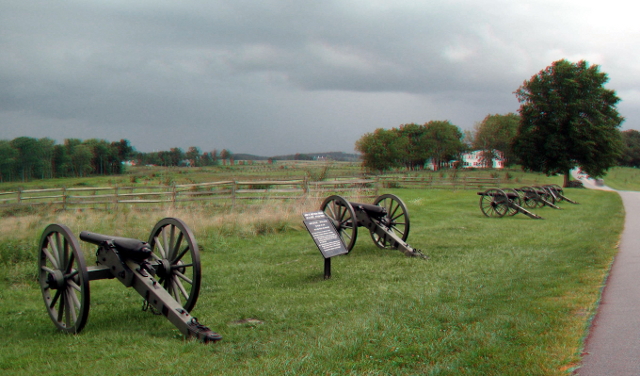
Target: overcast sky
271 77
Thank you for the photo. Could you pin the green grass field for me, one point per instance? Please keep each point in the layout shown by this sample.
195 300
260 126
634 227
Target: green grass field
623 178
508 296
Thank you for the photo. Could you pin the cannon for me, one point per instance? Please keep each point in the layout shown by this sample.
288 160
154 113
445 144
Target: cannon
165 271
387 220
538 197
558 193
500 202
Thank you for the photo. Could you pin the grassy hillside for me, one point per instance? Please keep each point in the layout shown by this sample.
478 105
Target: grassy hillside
623 178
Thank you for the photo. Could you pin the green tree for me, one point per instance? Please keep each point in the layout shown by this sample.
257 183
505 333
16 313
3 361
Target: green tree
81 159
496 132
568 119
224 155
8 161
102 156
193 155
28 160
413 146
445 140
631 148
378 151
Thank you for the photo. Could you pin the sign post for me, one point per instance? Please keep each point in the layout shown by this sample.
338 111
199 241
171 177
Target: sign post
326 237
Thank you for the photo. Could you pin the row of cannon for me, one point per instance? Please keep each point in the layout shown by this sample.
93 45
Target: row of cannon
511 201
165 270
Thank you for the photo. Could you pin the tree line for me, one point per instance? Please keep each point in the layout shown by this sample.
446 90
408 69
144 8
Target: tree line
193 157
566 119
27 158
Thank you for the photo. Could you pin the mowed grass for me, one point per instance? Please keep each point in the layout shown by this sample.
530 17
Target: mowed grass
509 296
623 178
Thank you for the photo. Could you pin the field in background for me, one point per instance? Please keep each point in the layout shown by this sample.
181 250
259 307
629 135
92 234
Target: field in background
497 296
286 170
623 178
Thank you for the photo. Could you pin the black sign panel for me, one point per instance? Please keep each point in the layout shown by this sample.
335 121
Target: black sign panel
324 234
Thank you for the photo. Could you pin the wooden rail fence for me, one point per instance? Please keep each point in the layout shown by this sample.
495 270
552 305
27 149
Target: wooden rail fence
232 191
229 191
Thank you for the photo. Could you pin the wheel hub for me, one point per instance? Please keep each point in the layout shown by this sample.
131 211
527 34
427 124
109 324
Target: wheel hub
164 270
56 280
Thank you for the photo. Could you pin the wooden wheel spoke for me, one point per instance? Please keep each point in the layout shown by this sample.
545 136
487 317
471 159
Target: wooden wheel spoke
181 288
50 257
175 291
181 255
74 298
161 250
74 285
61 305
68 268
396 229
56 246
172 238
55 299
180 266
71 315
176 247
184 277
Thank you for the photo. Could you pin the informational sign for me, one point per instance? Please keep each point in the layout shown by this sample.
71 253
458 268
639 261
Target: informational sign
324 234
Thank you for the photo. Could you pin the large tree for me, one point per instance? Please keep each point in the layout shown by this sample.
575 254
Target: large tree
412 146
445 141
379 149
568 119
496 132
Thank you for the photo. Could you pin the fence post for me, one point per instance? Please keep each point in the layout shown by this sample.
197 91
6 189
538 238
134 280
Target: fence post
376 185
174 194
64 198
233 193
19 195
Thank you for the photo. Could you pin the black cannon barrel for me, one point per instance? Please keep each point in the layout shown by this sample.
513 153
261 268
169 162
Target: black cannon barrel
94 238
132 248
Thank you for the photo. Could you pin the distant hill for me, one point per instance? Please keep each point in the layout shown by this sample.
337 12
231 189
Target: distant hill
332 156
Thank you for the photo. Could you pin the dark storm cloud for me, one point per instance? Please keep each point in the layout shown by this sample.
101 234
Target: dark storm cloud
273 77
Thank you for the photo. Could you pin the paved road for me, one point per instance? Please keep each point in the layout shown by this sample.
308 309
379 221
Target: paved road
613 345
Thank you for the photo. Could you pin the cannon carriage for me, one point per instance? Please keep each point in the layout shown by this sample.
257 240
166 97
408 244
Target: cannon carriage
387 220
165 271
509 201
500 202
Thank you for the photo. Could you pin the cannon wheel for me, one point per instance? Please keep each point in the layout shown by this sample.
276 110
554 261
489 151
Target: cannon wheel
343 217
175 248
397 219
514 197
556 190
494 203
64 279
546 194
531 197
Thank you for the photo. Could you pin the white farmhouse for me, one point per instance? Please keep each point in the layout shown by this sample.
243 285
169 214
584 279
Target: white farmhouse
474 159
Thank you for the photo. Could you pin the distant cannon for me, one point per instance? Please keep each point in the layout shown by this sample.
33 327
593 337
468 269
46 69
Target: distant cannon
165 271
558 193
387 220
500 202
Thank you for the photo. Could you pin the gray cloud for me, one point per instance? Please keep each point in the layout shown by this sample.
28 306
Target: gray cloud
285 76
